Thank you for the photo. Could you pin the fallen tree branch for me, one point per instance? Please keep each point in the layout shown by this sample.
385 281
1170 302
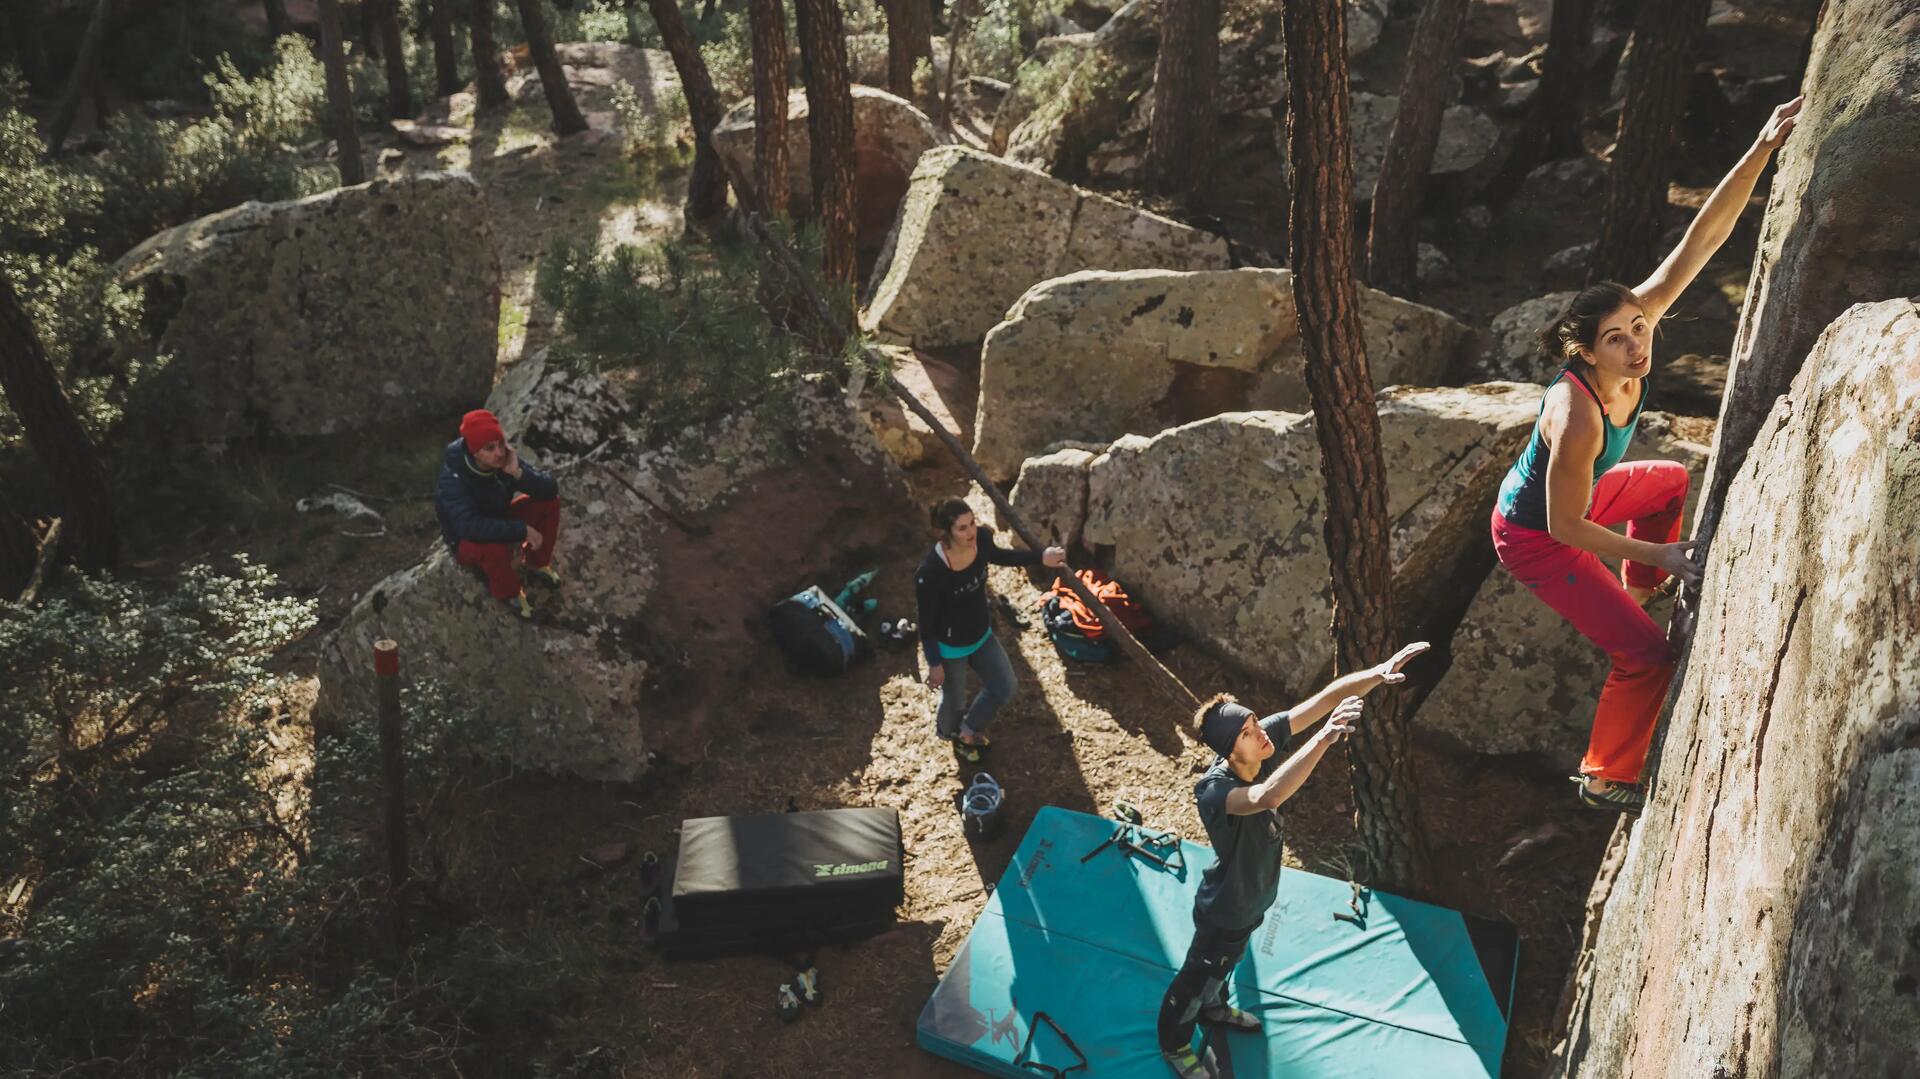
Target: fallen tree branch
49 548
823 314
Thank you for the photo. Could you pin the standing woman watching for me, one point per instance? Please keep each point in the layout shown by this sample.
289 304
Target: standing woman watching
956 631
1560 501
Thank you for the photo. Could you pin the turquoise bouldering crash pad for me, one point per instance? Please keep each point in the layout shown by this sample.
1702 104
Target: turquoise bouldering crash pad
1070 957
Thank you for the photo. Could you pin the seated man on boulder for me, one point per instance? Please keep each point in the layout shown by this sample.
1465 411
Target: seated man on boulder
490 503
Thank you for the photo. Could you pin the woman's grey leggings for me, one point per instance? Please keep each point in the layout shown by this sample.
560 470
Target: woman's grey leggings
996 688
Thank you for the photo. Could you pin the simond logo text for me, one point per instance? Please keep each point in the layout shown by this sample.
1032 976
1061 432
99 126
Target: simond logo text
843 869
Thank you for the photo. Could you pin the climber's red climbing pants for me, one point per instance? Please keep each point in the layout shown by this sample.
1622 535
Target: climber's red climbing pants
1649 497
496 559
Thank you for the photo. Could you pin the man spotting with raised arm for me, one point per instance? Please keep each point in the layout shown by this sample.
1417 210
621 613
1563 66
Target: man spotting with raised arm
1239 800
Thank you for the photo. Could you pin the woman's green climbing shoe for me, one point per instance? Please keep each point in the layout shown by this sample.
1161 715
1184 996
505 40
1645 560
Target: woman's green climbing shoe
1188 1064
1226 1015
1628 798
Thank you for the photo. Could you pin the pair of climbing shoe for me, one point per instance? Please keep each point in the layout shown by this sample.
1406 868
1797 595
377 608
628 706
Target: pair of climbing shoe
517 606
1628 798
804 988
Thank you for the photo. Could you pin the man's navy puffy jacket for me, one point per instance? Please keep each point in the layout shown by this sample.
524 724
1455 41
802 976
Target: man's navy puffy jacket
472 503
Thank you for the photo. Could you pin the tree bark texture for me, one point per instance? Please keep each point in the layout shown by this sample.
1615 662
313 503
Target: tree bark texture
1186 72
1557 103
823 63
768 24
339 96
278 24
1320 231
1393 252
386 15
446 65
909 40
707 186
80 79
1665 39
61 444
489 78
18 547
553 78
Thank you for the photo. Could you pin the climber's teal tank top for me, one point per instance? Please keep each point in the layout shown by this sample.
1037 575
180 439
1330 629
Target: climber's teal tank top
1523 494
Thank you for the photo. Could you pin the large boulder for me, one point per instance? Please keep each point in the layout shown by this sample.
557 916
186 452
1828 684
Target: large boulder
947 391
1762 920
1051 495
1522 679
1515 353
975 232
1076 93
652 626
1217 525
1842 225
1469 141
889 135
595 70
1098 354
316 316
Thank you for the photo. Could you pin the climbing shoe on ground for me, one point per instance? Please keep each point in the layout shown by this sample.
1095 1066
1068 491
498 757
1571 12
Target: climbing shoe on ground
518 607
971 752
1228 1016
789 1003
808 983
1013 613
1628 798
650 921
1188 1064
545 576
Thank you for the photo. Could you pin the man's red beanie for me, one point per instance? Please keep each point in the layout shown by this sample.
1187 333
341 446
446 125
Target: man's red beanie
478 428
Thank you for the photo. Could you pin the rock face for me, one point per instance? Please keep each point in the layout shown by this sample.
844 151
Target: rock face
975 232
1217 525
1762 921
1522 679
1515 350
889 135
1098 354
1051 495
315 316
1842 226
1068 101
1468 143
947 391
632 651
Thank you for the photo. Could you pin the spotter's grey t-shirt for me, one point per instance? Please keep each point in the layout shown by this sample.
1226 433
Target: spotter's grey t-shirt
1236 890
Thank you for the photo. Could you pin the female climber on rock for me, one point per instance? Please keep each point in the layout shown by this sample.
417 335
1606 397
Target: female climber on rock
1558 504
956 631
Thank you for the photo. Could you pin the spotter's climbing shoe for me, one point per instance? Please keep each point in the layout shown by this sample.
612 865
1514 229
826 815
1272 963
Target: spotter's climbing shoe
789 1003
518 607
1188 1064
544 575
1628 798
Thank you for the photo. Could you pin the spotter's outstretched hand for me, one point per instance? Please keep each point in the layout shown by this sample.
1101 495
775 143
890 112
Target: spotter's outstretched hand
1389 672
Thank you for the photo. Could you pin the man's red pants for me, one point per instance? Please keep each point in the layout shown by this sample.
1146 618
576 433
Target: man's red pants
496 559
1649 497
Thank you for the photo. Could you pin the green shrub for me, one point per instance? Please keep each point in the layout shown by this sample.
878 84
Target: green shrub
682 322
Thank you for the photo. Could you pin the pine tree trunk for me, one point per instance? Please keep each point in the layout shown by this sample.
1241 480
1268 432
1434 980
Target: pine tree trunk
489 79
823 63
1393 245
80 79
909 40
339 97
1664 42
707 185
1186 71
386 15
553 77
1320 231
278 24
59 442
446 65
1557 102
769 27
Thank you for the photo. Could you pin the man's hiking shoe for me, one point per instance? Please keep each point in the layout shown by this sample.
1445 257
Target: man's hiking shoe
1628 798
1188 1064
970 752
543 575
518 607
1225 1015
